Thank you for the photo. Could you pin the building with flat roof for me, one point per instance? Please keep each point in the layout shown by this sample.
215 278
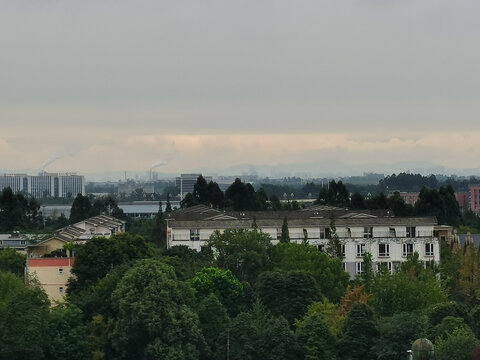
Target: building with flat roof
44 185
389 239
186 183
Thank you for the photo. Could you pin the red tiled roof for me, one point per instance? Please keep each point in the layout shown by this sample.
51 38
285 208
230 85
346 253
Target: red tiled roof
50 262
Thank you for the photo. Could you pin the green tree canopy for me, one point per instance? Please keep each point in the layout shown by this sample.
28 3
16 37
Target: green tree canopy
23 319
359 334
327 271
287 293
99 255
67 334
153 320
245 253
257 335
11 260
223 284
315 338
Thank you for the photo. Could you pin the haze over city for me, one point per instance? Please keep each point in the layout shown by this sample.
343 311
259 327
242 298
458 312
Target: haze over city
116 85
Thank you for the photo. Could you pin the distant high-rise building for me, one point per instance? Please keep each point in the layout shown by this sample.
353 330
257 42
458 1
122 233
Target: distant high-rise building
45 184
186 182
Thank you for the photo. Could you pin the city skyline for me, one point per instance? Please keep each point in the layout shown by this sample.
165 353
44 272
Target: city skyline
123 86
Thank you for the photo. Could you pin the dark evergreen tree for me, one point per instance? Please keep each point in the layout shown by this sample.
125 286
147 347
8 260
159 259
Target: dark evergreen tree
81 209
359 334
285 238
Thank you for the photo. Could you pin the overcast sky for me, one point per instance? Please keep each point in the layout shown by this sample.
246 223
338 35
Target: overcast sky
120 85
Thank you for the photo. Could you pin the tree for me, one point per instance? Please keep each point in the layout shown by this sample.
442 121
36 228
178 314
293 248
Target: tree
153 320
107 205
214 321
285 238
223 284
315 338
458 345
168 208
397 333
275 203
67 335
334 246
411 288
357 201
98 256
17 212
23 319
185 261
336 195
329 313
287 293
241 196
448 325
327 271
81 209
257 335
359 334
245 253
11 260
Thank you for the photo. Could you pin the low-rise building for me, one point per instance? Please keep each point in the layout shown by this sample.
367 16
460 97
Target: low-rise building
53 270
389 239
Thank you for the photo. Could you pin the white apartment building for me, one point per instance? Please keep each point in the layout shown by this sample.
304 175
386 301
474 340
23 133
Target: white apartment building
59 185
389 239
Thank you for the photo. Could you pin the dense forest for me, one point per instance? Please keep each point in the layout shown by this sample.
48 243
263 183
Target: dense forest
129 299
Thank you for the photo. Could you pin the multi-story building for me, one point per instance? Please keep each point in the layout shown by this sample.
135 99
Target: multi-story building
45 184
389 239
186 182
474 198
52 273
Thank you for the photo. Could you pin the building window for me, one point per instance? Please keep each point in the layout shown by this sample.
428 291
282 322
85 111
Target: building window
429 249
385 264
368 232
410 232
60 271
60 289
407 250
324 233
359 268
383 250
194 234
343 250
360 250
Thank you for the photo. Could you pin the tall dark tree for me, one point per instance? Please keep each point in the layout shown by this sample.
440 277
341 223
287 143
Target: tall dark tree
257 335
359 334
336 195
168 207
81 209
17 212
287 293
241 196
285 238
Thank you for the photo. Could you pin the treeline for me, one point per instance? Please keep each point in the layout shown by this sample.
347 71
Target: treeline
253 300
239 197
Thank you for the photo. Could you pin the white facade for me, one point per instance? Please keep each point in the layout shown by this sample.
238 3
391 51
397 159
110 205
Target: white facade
389 240
45 184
